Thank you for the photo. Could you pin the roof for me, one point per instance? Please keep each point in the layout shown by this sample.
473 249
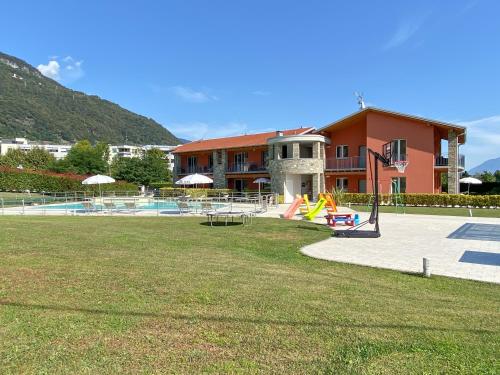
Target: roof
362 113
240 141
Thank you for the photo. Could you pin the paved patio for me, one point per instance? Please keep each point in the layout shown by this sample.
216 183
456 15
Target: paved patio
456 246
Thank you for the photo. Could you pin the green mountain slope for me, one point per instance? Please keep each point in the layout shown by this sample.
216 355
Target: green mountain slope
39 108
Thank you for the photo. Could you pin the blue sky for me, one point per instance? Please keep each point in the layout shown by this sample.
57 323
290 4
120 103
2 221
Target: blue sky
215 68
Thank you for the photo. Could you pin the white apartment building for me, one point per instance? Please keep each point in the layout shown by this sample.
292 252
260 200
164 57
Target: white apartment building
59 151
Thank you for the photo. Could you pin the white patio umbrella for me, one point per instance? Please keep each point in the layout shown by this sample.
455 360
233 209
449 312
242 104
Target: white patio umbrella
469 181
194 179
261 180
98 180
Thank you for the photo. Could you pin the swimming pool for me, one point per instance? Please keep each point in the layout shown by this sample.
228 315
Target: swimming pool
153 206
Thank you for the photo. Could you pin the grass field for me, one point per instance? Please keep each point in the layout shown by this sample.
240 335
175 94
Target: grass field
169 295
445 211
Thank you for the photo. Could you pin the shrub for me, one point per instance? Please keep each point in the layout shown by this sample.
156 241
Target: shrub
21 180
411 199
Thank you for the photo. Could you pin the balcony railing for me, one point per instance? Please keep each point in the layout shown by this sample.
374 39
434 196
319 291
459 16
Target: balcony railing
245 168
194 169
443 161
353 163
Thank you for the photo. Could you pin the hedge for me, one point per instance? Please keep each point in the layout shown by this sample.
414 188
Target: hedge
21 180
443 200
193 192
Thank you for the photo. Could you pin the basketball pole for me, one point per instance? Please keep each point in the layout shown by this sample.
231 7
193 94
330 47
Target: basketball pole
375 233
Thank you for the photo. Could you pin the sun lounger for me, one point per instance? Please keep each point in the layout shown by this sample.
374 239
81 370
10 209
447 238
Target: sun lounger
109 205
183 207
89 207
130 205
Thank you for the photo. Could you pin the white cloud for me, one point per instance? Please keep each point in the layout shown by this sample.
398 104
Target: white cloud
64 70
483 140
51 70
189 95
261 93
403 33
203 130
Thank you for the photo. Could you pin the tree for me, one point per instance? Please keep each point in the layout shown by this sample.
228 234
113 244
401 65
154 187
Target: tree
497 175
486 176
35 158
83 158
142 171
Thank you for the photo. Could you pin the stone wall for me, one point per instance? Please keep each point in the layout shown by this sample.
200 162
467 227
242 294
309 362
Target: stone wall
453 185
219 169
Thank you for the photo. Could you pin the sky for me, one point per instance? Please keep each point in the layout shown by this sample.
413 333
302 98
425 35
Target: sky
217 68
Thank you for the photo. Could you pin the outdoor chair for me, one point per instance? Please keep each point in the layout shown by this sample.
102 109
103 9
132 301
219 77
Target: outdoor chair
89 207
109 205
130 205
206 206
183 207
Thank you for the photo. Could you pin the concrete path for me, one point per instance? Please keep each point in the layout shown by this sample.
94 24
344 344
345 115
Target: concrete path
407 239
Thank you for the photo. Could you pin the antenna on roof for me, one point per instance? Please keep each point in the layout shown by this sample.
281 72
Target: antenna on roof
361 100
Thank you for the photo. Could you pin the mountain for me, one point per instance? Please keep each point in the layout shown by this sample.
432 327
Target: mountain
491 165
40 109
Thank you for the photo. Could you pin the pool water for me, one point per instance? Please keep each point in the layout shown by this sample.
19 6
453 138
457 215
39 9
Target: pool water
158 205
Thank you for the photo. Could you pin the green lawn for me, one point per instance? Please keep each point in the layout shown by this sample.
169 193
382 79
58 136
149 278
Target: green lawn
446 211
169 295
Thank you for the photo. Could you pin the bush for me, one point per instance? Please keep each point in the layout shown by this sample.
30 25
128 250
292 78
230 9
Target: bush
159 185
444 200
21 180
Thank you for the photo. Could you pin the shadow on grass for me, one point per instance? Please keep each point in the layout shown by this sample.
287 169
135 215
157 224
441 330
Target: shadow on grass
233 319
221 224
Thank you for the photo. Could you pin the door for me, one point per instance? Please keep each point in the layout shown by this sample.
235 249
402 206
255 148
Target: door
292 187
362 186
240 185
362 156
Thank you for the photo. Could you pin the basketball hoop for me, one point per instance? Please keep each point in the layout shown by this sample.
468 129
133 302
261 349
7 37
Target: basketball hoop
401 165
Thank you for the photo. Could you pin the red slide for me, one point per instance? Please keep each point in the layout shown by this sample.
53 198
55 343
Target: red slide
293 207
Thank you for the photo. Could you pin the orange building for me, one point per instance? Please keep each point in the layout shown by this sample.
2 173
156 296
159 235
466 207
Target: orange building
303 160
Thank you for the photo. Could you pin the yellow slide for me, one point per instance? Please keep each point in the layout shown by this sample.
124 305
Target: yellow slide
306 210
316 210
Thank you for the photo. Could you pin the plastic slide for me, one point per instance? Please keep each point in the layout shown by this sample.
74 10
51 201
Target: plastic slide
331 203
293 207
316 210
308 206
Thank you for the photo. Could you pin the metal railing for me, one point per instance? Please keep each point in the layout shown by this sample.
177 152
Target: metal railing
443 161
352 163
245 167
164 203
194 169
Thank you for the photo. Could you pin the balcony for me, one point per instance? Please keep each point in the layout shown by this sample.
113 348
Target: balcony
442 161
245 168
194 169
350 164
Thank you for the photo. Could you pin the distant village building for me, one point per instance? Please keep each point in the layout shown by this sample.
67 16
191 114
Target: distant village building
60 151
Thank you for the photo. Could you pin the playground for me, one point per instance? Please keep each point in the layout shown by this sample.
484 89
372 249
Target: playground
462 247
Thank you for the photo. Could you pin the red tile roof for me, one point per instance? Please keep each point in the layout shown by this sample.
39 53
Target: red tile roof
239 141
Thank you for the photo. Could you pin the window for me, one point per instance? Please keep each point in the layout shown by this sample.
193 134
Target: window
210 161
342 151
305 150
284 151
192 164
341 183
398 150
398 185
263 158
